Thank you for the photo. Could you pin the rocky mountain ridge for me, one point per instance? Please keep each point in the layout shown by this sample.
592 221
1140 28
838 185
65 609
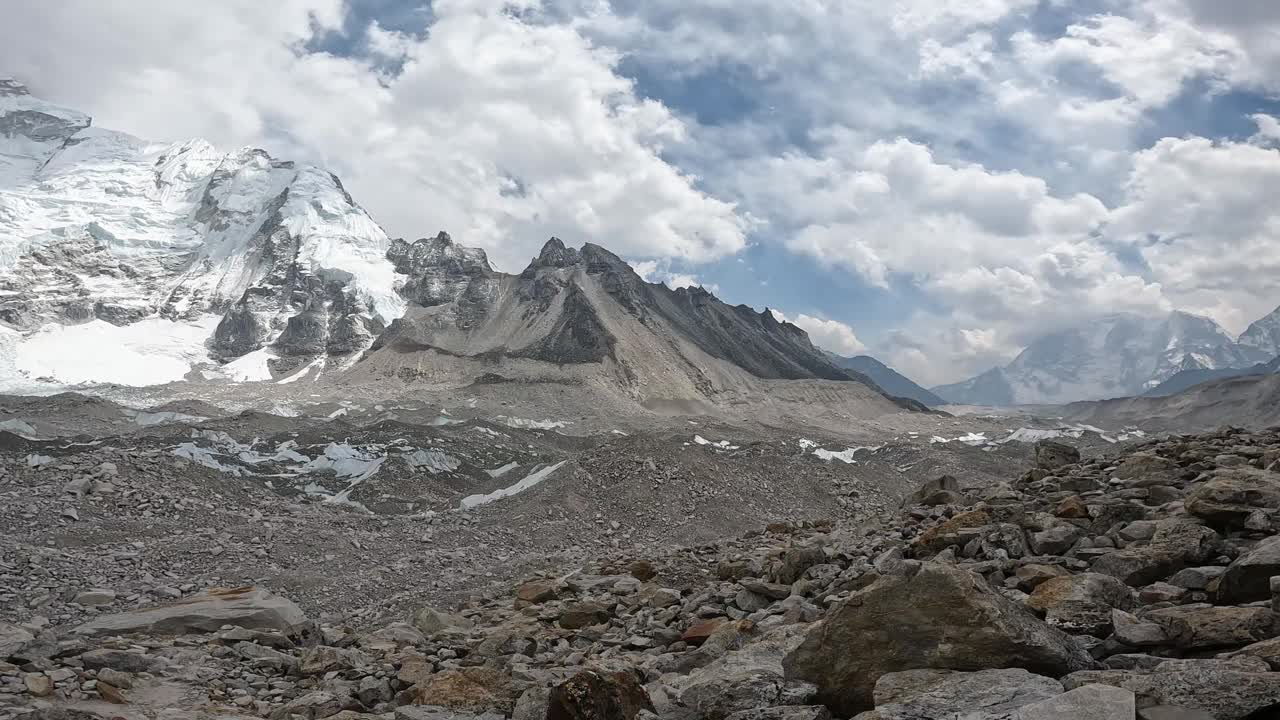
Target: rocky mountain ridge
889 380
1118 356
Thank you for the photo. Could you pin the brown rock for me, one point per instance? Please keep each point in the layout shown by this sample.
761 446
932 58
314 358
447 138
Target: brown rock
1081 603
535 592
593 695
643 570
111 693
471 689
699 632
583 614
1072 508
938 537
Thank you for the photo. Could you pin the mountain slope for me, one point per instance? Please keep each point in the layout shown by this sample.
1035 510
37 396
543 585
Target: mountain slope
888 379
1264 334
1247 401
583 317
1117 356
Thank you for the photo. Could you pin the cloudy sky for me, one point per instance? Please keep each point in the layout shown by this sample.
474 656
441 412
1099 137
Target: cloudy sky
934 181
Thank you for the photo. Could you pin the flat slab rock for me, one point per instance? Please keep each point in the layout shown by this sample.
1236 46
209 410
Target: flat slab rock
247 607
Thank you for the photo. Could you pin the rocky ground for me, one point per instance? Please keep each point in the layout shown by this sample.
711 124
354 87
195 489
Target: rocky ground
1135 584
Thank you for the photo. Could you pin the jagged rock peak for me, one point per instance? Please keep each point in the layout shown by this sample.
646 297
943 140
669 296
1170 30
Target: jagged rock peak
554 254
437 252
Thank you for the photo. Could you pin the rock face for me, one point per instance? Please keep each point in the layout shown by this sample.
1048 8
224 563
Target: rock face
247 607
955 621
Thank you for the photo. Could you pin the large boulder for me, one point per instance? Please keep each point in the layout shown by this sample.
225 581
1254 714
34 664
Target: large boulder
1088 702
915 694
943 490
1176 544
1227 689
471 689
749 677
1051 455
942 617
1081 603
247 607
591 695
1143 469
1206 626
1231 496
1249 577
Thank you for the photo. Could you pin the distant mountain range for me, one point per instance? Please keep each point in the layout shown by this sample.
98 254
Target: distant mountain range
1119 356
889 380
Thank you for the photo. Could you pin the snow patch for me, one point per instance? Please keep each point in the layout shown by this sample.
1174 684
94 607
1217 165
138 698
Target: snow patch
526 424
499 472
253 367
844 456
152 351
722 445
474 501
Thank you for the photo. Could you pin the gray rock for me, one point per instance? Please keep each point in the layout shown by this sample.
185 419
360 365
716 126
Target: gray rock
124 661
427 712
1176 544
1231 496
1206 626
1056 540
981 694
1197 578
1249 577
1168 712
13 640
251 608
1051 455
1226 689
431 621
942 617
1089 702
792 712
1135 633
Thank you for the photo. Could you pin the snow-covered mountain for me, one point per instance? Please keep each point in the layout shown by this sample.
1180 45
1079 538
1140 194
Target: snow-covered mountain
139 263
1264 335
1118 356
158 255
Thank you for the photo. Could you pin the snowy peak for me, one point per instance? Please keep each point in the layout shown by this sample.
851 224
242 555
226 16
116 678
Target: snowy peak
1116 356
98 226
1264 334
